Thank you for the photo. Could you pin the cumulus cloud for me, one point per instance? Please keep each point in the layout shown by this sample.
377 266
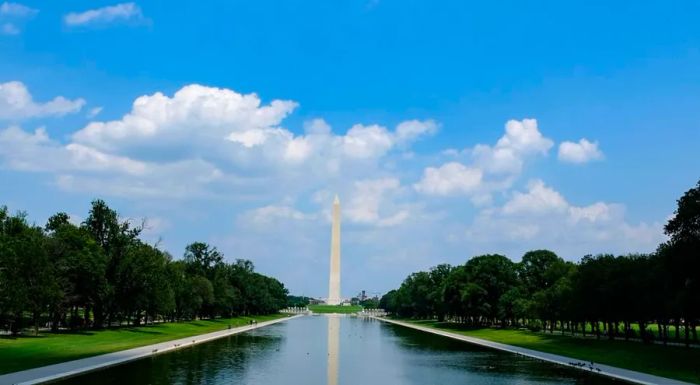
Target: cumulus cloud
241 129
123 12
217 148
539 199
582 151
16 103
193 112
366 199
411 130
81 168
487 168
521 139
37 152
542 216
317 126
449 179
236 138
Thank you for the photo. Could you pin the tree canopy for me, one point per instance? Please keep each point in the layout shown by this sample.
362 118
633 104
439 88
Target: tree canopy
543 290
100 273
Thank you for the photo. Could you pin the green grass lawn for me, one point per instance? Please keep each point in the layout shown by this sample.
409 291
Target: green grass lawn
50 348
335 309
667 361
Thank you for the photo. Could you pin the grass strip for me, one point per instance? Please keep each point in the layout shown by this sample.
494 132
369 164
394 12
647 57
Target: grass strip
666 361
26 352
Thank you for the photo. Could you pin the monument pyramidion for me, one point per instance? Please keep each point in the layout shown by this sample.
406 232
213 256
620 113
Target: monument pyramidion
334 279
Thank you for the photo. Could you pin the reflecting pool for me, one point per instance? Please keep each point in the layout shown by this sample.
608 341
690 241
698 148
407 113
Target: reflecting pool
337 350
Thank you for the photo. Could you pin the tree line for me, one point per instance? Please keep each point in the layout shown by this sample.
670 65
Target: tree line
100 273
615 296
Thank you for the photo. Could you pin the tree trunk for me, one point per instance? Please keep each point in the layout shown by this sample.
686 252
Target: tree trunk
86 316
35 319
98 315
55 321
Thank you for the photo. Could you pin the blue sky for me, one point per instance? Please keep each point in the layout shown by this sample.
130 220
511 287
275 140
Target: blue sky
448 129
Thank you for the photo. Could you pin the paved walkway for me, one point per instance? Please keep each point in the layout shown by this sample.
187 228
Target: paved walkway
73 368
610 371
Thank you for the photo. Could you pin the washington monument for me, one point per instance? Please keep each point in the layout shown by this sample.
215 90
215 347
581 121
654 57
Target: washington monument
334 280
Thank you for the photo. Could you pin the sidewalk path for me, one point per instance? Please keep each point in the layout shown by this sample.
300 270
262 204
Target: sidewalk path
73 368
610 371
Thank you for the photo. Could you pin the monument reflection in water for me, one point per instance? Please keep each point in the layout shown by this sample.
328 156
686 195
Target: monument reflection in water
352 350
333 348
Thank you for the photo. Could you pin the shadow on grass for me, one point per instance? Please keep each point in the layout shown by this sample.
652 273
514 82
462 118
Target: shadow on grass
46 334
142 331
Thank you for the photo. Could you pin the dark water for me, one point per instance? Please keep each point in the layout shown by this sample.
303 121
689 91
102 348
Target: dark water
337 350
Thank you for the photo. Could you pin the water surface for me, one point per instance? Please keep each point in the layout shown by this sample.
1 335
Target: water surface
338 350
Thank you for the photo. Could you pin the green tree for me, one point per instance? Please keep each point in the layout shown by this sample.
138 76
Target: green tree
681 255
202 259
79 267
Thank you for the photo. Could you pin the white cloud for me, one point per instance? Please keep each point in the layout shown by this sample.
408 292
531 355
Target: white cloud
490 168
37 152
521 139
317 127
16 103
195 114
79 167
581 152
411 130
235 136
524 137
216 151
449 179
114 13
187 179
539 199
367 141
542 217
198 118
366 202
597 212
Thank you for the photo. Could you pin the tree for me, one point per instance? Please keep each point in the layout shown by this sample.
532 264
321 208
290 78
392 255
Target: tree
681 255
202 259
114 238
26 279
539 269
79 267
438 278
493 275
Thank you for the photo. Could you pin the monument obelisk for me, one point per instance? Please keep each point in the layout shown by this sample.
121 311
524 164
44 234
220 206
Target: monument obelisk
334 280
